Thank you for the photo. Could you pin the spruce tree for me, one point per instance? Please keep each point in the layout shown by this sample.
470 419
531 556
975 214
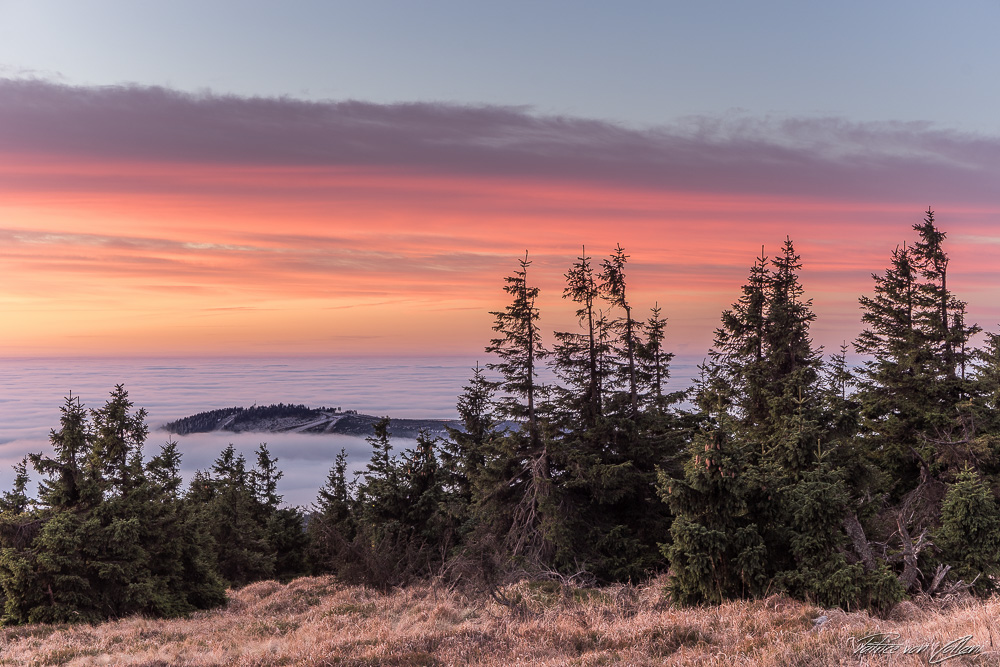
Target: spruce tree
983 443
716 552
180 552
404 530
464 455
430 526
16 501
915 342
613 289
66 486
119 434
654 361
821 572
578 354
969 536
232 515
520 475
332 526
791 369
737 355
284 527
766 413
519 348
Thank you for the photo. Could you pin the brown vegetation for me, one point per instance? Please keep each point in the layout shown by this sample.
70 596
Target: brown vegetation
320 621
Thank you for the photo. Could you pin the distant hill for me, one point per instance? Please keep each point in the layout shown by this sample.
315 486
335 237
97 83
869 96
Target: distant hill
283 418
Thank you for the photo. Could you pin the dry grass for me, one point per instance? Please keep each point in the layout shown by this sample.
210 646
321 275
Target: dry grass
318 621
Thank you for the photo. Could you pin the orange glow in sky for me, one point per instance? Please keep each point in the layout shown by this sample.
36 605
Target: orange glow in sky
105 254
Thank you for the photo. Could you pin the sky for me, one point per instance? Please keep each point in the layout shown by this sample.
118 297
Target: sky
357 178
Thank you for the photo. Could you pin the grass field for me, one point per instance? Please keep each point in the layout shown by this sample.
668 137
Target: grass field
319 621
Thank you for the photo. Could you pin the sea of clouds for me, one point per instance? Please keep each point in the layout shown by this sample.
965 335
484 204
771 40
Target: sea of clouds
32 391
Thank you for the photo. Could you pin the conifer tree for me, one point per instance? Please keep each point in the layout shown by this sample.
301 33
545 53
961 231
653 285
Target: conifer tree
607 455
332 527
119 434
232 516
16 501
969 536
765 411
578 355
108 537
180 551
737 355
915 342
403 529
654 360
820 571
983 445
380 497
521 472
791 370
425 498
71 447
519 348
764 365
283 526
264 480
613 289
465 454
716 552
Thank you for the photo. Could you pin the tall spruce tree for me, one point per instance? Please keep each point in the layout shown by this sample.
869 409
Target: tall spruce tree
577 354
519 348
791 368
737 355
521 472
284 527
613 289
755 499
915 342
465 454
66 486
606 452
404 530
654 361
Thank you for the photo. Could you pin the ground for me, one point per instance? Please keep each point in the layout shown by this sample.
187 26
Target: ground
320 621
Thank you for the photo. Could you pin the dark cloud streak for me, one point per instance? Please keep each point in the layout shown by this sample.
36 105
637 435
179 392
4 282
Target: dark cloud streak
827 158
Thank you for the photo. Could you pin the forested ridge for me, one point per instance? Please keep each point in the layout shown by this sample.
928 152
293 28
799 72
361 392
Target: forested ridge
784 470
300 419
236 419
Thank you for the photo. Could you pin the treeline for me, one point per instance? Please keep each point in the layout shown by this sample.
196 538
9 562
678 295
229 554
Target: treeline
111 533
786 470
783 470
